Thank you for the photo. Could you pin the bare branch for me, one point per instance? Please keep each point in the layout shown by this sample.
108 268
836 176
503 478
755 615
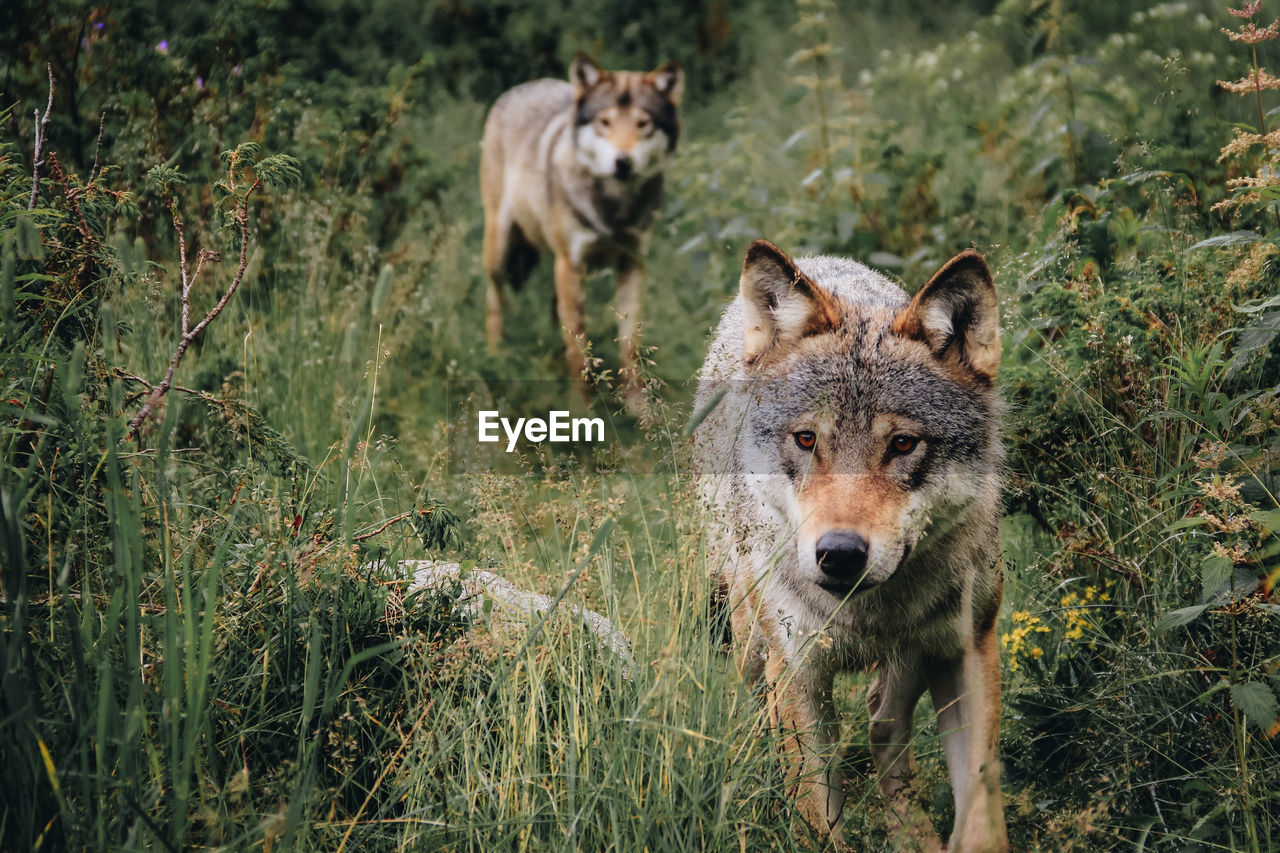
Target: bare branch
41 125
202 256
73 195
102 124
242 219
395 519
129 377
190 334
182 264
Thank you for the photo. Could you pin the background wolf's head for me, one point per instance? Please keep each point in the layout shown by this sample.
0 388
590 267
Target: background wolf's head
625 122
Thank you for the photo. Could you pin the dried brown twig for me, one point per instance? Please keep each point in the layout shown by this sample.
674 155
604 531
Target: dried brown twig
244 177
73 194
42 124
189 276
97 149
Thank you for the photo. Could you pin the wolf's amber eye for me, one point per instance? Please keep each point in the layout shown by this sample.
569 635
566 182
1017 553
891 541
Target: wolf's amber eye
903 443
642 125
604 121
806 439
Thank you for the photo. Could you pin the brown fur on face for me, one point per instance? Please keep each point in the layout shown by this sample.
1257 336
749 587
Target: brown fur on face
863 489
868 504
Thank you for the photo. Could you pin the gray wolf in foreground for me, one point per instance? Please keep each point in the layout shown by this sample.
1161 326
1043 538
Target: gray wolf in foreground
577 168
851 464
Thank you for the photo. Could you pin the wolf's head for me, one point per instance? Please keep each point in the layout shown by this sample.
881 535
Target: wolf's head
625 122
873 420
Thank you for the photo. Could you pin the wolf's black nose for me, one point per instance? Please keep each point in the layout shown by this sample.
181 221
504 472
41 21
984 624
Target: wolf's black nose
622 167
842 556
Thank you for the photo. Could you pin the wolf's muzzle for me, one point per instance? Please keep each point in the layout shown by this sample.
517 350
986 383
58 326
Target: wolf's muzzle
623 166
842 557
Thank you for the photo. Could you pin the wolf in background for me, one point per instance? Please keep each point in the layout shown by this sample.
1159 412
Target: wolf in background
851 463
577 167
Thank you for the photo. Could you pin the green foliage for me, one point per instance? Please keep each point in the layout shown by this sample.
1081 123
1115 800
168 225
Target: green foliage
165 179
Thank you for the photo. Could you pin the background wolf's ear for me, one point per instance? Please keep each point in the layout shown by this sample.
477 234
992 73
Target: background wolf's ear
668 81
584 73
782 304
957 315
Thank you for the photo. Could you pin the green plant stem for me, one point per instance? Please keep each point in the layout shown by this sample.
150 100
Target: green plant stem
1242 749
1262 117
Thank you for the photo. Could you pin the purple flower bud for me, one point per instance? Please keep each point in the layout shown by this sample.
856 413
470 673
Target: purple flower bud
99 25
163 47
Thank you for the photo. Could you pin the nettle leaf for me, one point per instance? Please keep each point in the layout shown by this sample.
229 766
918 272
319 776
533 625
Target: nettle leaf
1268 520
1235 238
1215 573
165 178
1180 617
1184 523
1257 305
1240 585
1140 177
279 171
438 525
244 154
1257 702
26 238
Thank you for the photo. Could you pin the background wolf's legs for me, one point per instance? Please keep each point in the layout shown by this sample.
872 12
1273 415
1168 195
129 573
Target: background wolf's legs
493 316
569 309
967 695
509 258
891 702
630 284
495 265
802 713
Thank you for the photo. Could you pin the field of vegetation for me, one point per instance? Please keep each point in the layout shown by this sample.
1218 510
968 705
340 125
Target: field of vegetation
206 636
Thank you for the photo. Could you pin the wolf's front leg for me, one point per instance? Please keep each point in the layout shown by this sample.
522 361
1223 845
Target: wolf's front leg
891 702
630 285
495 263
493 316
966 693
800 710
569 311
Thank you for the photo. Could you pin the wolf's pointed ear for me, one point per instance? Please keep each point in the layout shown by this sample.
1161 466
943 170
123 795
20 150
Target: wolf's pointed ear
781 303
957 316
584 73
668 81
